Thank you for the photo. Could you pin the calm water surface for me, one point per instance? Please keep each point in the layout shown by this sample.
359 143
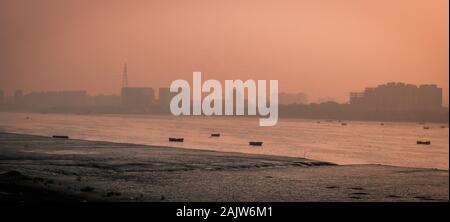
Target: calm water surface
355 143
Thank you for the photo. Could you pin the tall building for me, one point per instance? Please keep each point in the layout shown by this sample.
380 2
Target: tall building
398 97
138 99
430 96
164 98
56 99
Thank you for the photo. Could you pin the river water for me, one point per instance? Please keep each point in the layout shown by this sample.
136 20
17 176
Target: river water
355 143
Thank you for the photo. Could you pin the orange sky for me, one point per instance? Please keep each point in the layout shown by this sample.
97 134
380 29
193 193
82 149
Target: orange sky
324 48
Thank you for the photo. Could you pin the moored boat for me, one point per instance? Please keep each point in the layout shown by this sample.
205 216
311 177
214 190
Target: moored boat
255 143
419 142
173 139
60 137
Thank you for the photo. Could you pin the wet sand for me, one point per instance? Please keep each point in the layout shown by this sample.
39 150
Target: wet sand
36 168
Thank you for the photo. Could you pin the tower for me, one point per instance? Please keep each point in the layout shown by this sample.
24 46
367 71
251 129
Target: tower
125 76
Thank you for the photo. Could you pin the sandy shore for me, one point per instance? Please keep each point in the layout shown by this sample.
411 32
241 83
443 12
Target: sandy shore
34 168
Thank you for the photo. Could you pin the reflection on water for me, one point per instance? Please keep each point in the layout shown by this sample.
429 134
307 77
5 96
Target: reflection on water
354 143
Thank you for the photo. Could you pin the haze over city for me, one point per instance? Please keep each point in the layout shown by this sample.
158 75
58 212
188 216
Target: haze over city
321 48
282 102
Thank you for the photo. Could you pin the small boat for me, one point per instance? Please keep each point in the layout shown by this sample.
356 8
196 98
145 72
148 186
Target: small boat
173 139
254 143
60 137
382 124
215 134
426 127
419 142
343 124
443 127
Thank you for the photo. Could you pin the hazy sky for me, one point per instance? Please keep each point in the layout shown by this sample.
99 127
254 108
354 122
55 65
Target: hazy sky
324 48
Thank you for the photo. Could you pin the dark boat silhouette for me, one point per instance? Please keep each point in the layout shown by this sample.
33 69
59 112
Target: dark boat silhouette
173 139
60 137
419 142
255 143
343 124
215 134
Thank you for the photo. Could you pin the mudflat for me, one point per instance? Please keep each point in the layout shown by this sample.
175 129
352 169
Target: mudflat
38 168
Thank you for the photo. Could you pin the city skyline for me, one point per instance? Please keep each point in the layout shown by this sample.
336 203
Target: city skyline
392 101
285 97
309 48
316 99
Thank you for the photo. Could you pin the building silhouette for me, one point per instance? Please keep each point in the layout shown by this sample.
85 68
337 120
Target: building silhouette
105 101
138 99
164 98
398 97
388 102
53 99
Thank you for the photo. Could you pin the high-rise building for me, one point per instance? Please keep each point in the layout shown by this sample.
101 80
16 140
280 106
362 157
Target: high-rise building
430 96
56 99
398 97
164 98
138 99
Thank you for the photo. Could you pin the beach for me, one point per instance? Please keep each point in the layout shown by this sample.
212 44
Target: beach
40 168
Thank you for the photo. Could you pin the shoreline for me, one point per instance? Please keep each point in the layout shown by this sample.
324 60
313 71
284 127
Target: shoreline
229 152
34 168
279 118
328 141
